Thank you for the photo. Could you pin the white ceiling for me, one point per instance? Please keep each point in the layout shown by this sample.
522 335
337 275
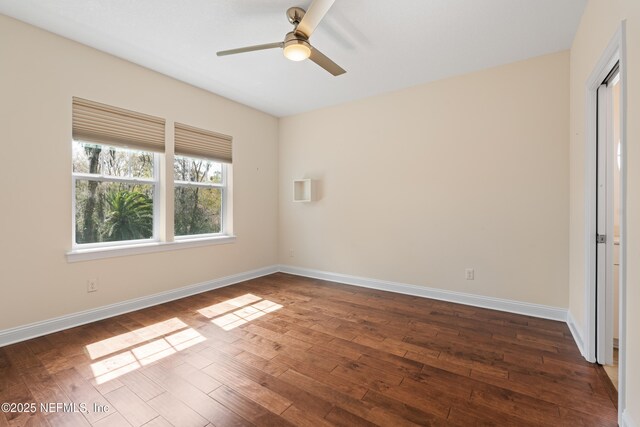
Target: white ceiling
384 45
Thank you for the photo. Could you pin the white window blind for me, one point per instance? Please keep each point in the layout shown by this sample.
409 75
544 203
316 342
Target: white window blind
191 141
103 124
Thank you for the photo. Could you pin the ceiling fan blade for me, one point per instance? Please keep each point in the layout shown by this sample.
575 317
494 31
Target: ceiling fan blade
313 16
323 61
250 48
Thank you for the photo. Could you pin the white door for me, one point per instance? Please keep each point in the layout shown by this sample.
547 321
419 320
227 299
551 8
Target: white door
605 227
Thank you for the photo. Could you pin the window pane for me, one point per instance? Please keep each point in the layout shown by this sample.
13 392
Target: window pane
111 161
197 170
197 210
110 212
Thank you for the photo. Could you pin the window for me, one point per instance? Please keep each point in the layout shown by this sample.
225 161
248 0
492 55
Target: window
200 181
114 190
115 174
121 175
199 195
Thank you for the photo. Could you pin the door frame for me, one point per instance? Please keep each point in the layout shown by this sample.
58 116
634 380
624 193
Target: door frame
614 53
605 221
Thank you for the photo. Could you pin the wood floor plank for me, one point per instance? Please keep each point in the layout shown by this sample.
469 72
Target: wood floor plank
518 405
196 377
105 387
308 335
131 407
292 392
249 388
301 418
550 393
327 393
402 411
342 385
245 407
142 386
74 419
176 412
194 398
318 361
271 367
158 422
426 399
470 413
382 345
44 390
329 354
113 420
80 390
28 419
362 373
403 369
21 356
571 417
341 417
280 338
43 387
438 362
456 386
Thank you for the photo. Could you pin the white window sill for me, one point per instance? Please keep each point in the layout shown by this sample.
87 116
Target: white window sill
78 255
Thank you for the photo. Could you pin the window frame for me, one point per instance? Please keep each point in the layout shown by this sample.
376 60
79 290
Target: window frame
222 186
154 181
114 130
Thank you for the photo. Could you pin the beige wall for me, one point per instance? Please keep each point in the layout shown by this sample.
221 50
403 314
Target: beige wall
39 74
417 185
599 23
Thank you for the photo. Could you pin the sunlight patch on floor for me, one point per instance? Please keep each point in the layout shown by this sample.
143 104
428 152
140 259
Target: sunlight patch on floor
142 353
228 305
120 342
245 309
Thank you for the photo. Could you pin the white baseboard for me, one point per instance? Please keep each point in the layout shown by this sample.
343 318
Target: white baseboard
626 420
22 333
535 310
577 335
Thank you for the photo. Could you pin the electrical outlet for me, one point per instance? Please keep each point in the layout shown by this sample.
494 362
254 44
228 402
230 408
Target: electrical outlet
469 274
92 285
291 253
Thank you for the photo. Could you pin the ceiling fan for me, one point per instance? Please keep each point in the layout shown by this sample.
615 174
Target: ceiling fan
296 46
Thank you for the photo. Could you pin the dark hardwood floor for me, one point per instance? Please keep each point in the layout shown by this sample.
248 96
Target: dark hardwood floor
285 350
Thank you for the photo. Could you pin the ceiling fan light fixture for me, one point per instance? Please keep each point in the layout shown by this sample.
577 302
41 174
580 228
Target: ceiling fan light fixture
296 45
297 50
